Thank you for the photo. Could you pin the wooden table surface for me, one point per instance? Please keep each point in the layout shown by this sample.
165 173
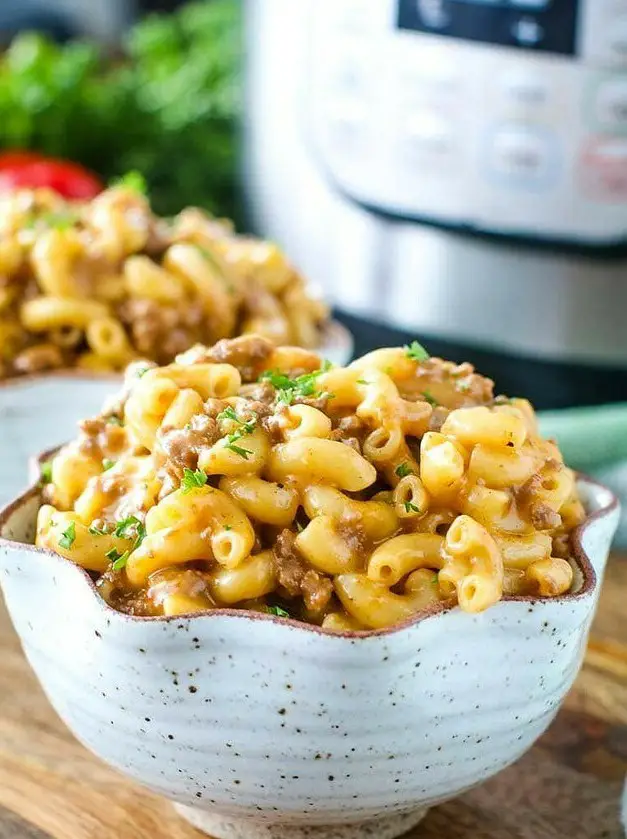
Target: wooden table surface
568 785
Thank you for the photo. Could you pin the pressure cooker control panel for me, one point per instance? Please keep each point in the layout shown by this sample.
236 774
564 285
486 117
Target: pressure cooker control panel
505 116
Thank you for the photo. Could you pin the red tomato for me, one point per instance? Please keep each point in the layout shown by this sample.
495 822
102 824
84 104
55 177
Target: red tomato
29 170
9 159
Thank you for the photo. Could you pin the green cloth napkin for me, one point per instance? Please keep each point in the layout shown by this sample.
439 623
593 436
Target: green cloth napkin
590 438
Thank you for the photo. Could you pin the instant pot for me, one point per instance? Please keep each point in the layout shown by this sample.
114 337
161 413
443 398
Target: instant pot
456 170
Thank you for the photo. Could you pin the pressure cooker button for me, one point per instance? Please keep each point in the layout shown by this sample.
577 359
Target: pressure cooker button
525 89
435 14
520 155
603 171
430 137
611 103
527 32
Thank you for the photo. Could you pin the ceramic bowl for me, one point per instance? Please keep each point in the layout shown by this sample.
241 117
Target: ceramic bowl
41 412
258 726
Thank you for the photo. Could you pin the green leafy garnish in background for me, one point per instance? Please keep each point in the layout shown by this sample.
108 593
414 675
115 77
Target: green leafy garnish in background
168 107
132 180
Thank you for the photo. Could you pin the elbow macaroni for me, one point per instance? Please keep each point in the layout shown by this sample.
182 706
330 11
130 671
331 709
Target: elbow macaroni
209 485
124 283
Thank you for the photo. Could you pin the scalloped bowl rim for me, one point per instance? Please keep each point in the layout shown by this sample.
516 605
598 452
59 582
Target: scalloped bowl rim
582 560
334 334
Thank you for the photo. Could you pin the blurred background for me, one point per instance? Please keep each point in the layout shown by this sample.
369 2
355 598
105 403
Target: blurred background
454 170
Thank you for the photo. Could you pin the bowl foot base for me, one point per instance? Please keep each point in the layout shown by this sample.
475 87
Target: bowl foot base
222 827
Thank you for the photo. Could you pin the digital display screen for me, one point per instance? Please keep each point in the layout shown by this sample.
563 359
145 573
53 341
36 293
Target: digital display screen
543 25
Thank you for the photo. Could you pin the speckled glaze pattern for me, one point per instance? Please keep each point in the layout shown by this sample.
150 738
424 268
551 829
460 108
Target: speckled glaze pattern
41 412
263 721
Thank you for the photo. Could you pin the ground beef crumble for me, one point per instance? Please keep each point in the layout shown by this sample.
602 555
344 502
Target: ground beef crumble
296 577
248 353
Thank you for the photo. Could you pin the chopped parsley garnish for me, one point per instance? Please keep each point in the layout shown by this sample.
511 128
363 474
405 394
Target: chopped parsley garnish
132 524
68 536
416 352
403 470
362 382
45 470
299 388
434 581
113 420
228 527
245 427
119 560
410 508
208 256
132 180
278 611
107 464
228 413
428 397
463 387
242 452
59 221
95 531
129 528
192 480
141 371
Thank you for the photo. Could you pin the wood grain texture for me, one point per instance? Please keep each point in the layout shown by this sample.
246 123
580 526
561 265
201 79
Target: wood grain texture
569 785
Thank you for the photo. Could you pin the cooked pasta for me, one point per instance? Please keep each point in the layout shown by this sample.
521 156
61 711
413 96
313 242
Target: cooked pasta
94 285
253 477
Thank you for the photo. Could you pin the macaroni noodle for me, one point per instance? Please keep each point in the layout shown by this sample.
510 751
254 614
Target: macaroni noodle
97 284
253 477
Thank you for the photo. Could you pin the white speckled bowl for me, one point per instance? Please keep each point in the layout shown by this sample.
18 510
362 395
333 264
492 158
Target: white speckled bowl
41 412
262 727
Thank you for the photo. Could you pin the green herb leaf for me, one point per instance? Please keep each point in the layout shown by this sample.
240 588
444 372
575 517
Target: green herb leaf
68 536
107 464
132 524
416 351
59 221
362 382
410 508
237 449
192 480
429 398
278 611
228 527
45 471
113 420
245 427
228 413
95 531
133 180
141 371
284 396
212 259
403 469
299 388
119 560
435 580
